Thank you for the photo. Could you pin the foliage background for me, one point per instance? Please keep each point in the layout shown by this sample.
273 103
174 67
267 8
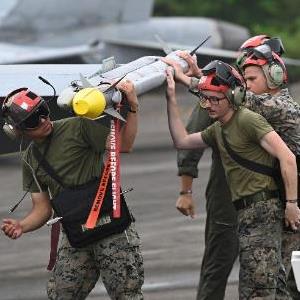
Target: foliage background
279 18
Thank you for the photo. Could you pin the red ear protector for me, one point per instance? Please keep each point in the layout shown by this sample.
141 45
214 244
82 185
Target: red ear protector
23 109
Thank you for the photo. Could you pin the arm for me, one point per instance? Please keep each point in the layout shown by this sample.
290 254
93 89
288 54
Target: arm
274 145
187 161
129 130
41 211
185 203
181 139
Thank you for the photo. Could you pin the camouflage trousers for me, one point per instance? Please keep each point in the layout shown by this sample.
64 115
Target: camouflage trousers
262 274
117 259
290 243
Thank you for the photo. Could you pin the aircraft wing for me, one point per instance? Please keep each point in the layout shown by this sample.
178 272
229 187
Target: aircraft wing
208 52
16 54
173 46
16 76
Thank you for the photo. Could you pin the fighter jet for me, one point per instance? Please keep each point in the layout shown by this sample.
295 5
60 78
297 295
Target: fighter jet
71 30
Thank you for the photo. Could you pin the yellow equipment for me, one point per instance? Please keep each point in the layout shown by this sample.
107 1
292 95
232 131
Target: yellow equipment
89 103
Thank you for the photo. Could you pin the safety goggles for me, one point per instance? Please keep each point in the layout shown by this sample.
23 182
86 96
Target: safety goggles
276 45
33 121
262 52
241 59
223 74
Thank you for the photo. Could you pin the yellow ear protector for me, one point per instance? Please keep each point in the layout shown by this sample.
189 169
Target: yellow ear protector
9 127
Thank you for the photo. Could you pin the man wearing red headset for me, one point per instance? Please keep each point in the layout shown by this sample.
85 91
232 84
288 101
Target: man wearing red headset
75 148
221 246
266 75
255 196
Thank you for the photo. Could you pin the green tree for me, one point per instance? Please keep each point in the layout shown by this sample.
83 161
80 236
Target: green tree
276 18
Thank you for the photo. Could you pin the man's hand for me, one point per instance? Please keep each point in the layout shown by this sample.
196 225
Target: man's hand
12 228
178 72
292 215
128 89
194 70
186 206
170 93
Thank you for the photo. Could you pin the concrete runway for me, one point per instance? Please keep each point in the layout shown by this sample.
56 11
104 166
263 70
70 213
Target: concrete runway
172 243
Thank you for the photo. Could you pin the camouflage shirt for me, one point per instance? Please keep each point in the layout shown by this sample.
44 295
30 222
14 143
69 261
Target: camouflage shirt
282 112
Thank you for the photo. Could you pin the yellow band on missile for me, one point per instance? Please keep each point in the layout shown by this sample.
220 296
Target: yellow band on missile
89 103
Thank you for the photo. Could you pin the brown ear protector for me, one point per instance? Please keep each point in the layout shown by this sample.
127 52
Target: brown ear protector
9 125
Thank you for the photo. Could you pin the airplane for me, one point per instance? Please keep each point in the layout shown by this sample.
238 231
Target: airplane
61 31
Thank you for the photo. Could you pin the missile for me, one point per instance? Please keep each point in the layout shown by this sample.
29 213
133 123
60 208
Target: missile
91 97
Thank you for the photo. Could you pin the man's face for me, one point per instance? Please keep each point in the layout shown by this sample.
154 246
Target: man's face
256 80
216 104
42 131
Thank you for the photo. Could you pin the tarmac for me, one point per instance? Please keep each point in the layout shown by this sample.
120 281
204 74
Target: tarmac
172 244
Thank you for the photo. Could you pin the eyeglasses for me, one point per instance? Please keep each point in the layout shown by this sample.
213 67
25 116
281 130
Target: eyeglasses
213 100
33 121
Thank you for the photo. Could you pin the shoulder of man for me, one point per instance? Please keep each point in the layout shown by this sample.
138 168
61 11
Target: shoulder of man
247 116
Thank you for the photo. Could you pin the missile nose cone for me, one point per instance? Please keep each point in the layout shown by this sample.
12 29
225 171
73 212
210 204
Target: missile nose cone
89 103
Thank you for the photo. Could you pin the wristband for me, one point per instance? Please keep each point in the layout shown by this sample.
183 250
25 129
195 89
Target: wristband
186 192
292 201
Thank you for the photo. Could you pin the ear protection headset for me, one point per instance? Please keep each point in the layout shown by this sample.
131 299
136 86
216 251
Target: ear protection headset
271 64
23 109
221 77
9 124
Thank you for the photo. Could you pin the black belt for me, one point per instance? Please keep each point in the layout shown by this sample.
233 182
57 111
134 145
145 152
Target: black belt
246 201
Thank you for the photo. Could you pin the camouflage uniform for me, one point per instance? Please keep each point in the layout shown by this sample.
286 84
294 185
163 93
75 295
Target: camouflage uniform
283 113
76 152
260 211
221 241
117 259
260 251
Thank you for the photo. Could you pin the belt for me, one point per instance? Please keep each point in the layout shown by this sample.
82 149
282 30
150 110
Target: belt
246 201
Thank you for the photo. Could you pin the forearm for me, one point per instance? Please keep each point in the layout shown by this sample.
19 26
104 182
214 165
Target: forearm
129 131
186 182
177 129
180 137
185 80
288 169
35 219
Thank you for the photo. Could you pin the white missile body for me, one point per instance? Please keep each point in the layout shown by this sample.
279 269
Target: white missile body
146 73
